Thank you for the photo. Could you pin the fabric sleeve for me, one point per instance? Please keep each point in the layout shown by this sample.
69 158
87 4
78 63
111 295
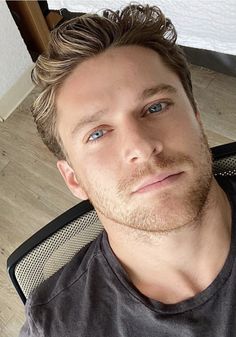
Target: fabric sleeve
29 329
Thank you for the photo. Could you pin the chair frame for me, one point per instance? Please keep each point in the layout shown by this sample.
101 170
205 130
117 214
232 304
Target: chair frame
218 152
41 235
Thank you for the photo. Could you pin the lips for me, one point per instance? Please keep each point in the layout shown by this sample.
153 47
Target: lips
155 179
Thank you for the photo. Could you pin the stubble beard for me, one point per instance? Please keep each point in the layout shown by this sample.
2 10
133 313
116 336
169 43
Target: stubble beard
167 213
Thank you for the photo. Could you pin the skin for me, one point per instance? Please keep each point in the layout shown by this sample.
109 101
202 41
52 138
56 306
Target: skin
178 232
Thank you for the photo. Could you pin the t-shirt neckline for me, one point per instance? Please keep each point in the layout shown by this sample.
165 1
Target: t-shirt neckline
198 299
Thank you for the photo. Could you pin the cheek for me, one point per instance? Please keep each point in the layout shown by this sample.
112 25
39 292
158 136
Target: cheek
98 167
184 132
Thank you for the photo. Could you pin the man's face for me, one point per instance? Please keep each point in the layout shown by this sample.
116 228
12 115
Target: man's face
119 137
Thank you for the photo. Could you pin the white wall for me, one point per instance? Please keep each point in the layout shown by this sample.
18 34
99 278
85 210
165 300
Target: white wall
204 24
15 63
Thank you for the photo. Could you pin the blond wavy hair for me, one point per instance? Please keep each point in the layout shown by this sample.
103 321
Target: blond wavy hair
80 38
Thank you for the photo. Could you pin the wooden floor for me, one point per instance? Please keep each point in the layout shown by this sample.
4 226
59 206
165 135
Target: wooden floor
32 192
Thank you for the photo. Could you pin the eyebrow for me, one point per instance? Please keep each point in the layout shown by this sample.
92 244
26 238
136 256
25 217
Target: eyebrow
148 92
157 89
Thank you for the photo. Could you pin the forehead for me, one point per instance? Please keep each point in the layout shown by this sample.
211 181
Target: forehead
111 79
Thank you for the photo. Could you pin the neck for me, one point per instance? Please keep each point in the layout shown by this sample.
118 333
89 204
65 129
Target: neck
191 256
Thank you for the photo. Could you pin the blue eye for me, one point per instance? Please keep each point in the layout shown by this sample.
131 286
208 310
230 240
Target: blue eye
96 135
157 107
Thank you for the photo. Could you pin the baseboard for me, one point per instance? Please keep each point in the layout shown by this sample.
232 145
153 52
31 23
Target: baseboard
220 62
16 94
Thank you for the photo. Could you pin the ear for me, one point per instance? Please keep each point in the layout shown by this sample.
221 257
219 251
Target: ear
71 180
198 117
197 114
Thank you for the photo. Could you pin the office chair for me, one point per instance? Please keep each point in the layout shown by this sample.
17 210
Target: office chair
55 244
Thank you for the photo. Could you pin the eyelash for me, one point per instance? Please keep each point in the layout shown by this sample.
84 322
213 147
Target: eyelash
95 140
168 104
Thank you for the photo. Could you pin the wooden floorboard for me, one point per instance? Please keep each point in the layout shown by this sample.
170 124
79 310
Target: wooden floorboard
32 191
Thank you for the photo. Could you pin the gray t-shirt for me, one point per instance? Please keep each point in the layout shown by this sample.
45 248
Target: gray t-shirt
92 297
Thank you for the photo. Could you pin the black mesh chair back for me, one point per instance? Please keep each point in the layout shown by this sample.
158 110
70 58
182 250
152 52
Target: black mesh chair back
52 247
55 244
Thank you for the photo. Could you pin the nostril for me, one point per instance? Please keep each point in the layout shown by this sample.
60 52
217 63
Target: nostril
142 152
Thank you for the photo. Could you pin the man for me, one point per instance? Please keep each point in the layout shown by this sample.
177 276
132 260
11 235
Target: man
117 110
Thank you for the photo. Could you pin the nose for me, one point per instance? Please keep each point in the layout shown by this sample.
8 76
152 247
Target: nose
139 142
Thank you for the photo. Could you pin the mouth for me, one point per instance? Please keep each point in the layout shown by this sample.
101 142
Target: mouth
158 182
